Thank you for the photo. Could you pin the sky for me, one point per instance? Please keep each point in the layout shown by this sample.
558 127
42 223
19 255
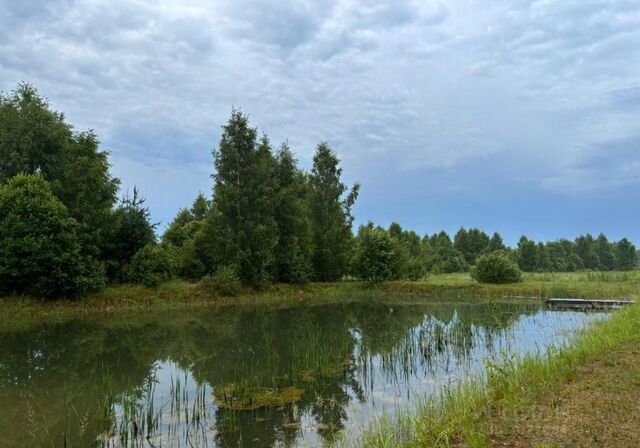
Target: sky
521 117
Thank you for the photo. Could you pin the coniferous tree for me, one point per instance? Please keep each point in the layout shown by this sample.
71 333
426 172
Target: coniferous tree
471 243
447 259
496 243
478 243
330 216
133 231
200 207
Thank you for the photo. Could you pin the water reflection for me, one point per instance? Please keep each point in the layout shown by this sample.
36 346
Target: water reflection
248 377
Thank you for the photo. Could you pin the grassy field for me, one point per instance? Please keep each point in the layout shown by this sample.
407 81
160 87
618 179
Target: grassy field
586 394
16 311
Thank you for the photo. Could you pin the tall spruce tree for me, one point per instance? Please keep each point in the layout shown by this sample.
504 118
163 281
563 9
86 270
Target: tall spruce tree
496 243
330 206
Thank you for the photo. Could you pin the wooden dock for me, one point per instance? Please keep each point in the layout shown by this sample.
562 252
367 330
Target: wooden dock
597 304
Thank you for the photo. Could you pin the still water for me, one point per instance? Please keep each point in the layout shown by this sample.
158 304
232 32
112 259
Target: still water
250 377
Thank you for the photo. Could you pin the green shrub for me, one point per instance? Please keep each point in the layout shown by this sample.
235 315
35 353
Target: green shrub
415 269
150 266
374 254
496 267
39 248
224 282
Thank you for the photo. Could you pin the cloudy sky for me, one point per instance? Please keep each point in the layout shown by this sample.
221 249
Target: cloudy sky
518 116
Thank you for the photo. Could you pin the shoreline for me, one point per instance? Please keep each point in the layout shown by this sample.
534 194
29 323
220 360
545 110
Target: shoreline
516 402
178 294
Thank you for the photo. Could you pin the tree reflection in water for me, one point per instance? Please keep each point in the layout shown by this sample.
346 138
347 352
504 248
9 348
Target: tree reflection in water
73 382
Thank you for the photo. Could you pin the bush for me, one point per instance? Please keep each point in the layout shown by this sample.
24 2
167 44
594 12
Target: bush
415 269
39 248
224 282
150 266
496 267
374 254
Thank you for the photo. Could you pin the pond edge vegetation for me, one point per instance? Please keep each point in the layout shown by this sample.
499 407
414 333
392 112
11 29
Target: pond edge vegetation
461 415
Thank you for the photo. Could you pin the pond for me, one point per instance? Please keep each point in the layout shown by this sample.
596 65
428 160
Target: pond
250 376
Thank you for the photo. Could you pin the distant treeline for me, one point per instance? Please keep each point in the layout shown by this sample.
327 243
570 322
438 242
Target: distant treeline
64 232
395 253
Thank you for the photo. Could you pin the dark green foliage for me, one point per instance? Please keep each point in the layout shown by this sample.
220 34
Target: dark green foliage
574 263
294 248
444 258
133 230
35 139
181 237
200 208
558 257
224 282
543 259
32 137
586 250
471 243
86 187
241 229
374 254
330 207
150 266
496 267
39 248
180 230
567 256
625 255
496 243
527 254
409 261
605 253
187 222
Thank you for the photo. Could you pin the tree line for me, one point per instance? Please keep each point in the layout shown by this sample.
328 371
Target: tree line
64 230
395 253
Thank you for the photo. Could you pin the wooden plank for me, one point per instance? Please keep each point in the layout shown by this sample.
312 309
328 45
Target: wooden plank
588 303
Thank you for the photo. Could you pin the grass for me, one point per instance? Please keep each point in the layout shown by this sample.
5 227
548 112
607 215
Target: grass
22 311
517 402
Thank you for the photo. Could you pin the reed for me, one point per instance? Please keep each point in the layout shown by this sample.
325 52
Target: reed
456 416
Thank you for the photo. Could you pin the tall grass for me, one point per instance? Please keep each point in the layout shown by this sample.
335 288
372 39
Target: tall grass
21 312
456 416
